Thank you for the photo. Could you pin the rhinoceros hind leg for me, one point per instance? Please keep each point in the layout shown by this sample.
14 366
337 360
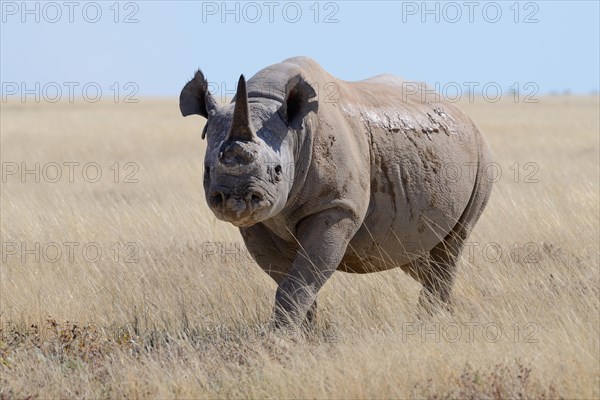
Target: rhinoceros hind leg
437 271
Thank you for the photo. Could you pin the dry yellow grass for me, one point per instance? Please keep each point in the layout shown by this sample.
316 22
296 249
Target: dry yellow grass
183 317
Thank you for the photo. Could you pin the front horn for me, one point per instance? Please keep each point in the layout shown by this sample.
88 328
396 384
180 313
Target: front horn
241 128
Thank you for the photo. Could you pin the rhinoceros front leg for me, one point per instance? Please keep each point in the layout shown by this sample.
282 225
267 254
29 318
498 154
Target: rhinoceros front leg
322 239
274 257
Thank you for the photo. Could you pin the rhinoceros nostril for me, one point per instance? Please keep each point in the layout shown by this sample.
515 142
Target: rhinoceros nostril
217 199
255 200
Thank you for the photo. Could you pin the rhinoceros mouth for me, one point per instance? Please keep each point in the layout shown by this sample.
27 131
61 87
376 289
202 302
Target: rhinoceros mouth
242 222
240 206
249 214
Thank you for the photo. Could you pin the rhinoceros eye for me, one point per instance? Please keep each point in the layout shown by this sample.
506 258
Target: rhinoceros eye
206 171
278 173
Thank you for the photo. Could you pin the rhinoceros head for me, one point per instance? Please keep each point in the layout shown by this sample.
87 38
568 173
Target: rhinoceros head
248 165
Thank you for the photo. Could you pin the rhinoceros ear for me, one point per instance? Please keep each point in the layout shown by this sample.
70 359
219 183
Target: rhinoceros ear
195 97
296 106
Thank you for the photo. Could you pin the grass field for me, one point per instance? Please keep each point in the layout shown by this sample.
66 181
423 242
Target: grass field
124 285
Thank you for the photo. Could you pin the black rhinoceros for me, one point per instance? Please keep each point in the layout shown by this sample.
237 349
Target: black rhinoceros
364 177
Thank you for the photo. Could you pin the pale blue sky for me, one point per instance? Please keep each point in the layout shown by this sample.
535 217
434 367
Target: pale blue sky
170 40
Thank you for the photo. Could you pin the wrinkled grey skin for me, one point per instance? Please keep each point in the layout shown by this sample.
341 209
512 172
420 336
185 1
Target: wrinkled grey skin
362 177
